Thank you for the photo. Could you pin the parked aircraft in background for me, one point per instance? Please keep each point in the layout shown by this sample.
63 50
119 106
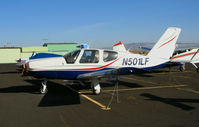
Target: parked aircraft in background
183 56
93 64
186 56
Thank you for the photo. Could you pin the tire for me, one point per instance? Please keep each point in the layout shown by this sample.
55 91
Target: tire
96 92
43 92
197 70
181 69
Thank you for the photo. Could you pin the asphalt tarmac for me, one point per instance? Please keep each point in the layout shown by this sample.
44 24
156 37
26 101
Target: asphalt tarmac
163 98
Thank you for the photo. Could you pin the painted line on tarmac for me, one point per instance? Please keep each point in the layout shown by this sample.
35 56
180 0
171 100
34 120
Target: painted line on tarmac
141 88
189 90
103 107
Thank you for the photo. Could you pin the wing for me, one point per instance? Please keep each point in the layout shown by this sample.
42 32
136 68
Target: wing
98 74
115 71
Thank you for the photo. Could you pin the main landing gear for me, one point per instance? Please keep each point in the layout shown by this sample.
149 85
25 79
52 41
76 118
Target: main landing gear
43 88
182 67
95 86
197 69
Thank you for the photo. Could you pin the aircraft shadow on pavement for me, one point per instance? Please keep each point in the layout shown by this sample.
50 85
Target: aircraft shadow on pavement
129 84
10 72
57 94
21 89
177 102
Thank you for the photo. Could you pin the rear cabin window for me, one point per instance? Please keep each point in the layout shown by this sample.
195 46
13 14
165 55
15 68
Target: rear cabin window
179 51
71 57
90 56
109 56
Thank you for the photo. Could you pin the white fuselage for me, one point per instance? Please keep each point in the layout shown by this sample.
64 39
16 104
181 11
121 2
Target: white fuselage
123 60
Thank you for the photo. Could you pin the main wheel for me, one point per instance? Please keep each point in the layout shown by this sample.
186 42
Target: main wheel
96 90
95 86
197 70
181 69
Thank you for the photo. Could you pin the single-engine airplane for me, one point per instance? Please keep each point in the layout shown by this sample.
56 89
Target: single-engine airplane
186 56
93 64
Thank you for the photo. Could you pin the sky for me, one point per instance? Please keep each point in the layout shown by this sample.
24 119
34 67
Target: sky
100 23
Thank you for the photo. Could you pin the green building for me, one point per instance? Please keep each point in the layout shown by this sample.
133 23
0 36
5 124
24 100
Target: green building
11 54
61 48
28 51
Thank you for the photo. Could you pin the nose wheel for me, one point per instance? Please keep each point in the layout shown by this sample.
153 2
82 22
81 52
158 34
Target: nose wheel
43 88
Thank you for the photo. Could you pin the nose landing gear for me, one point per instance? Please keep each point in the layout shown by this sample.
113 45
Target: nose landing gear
43 88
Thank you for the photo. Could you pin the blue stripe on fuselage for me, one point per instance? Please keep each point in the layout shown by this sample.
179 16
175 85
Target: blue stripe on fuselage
156 67
64 74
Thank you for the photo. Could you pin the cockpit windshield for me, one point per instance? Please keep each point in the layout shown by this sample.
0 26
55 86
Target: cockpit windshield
72 56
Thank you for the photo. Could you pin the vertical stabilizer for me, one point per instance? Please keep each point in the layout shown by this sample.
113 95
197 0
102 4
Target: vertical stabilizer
119 47
165 47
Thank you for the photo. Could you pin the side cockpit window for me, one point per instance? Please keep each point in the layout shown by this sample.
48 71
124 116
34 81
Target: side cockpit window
71 57
109 56
90 56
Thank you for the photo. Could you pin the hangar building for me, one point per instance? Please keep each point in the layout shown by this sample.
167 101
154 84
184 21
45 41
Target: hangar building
11 54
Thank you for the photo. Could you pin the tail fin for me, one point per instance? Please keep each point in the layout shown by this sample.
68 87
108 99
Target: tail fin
119 47
165 47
